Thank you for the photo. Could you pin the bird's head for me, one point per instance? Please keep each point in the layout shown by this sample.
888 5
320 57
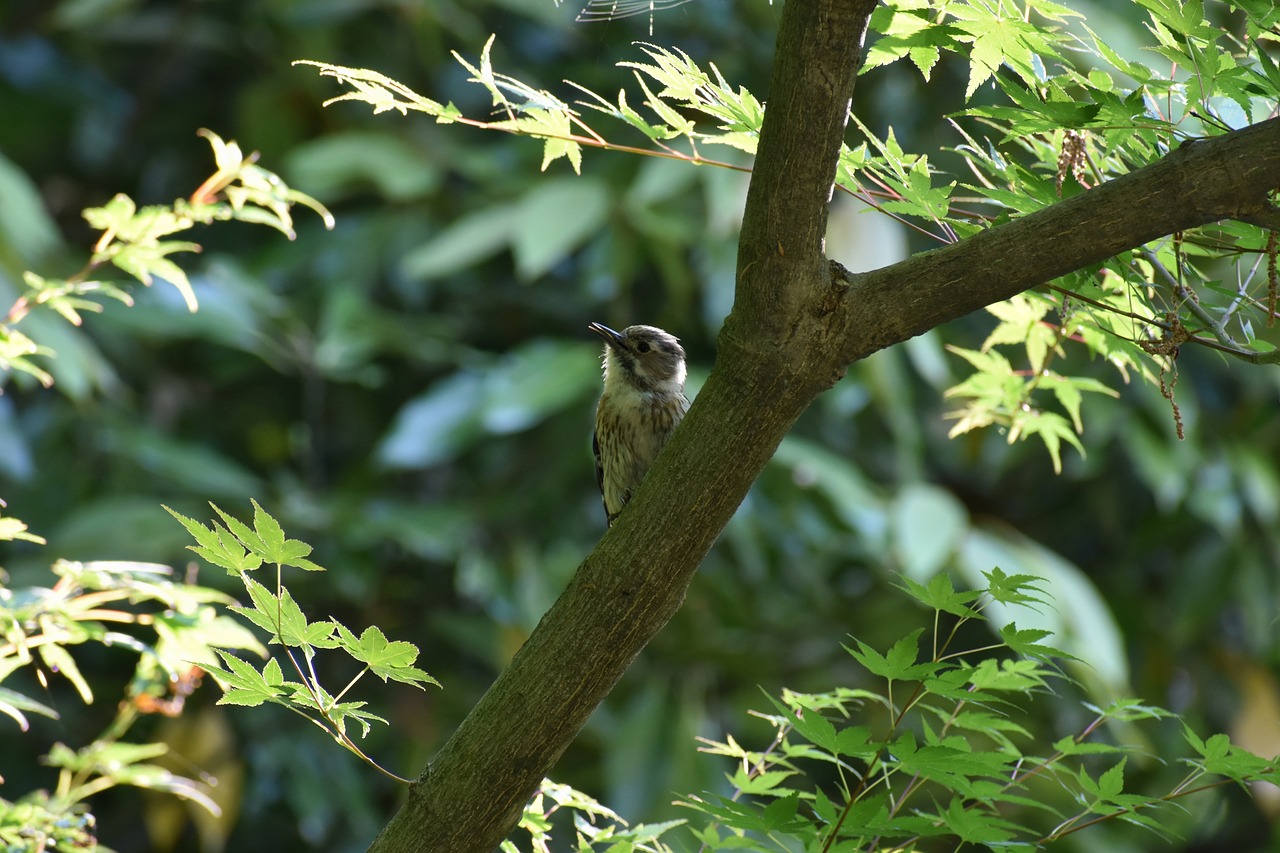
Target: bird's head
645 357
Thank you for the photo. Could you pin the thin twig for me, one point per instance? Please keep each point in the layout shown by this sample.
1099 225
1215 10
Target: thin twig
1187 298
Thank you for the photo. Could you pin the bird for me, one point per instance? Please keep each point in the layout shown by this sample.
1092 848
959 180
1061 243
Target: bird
642 404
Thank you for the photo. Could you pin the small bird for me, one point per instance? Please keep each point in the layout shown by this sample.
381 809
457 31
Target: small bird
642 403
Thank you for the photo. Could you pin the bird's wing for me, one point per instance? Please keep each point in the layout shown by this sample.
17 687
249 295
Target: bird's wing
595 448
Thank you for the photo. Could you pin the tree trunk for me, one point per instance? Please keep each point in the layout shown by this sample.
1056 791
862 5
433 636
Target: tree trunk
797 322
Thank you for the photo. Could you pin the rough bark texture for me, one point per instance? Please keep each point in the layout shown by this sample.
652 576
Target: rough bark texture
798 321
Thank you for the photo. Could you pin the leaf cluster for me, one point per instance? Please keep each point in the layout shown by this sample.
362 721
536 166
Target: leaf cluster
595 826
173 628
133 240
938 752
1071 112
241 550
1074 113
485 507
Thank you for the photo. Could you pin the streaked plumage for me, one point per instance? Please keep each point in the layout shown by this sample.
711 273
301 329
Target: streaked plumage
642 404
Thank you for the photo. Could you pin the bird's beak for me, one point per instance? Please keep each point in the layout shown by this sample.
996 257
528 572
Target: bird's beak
610 337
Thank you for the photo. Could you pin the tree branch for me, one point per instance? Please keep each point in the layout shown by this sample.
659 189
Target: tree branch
784 226
798 320
472 794
1225 177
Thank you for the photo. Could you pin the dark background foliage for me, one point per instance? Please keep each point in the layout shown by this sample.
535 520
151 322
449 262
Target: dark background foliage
413 394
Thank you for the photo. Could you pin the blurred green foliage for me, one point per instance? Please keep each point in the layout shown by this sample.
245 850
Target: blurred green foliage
413 394
939 758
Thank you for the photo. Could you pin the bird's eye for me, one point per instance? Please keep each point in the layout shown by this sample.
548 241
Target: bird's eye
643 346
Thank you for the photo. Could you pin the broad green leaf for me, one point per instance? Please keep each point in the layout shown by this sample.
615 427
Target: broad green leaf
1014 676
766 783
899 664
536 380
941 594
13 704
275 547
245 685
555 218
281 616
525 387
973 825
344 163
385 659
1052 429
1070 746
1027 642
435 425
781 812
59 660
1081 622
26 228
187 464
810 723
1016 589
12 529
471 239
850 495
242 532
104 756
956 768
927 523
1111 782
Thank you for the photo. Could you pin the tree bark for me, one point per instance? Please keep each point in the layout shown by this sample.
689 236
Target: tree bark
797 322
